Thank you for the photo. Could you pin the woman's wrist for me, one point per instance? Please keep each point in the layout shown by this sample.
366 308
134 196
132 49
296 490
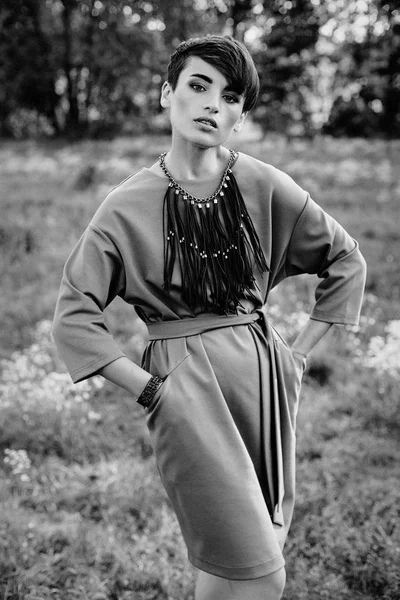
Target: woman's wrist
136 381
126 374
140 384
309 336
150 390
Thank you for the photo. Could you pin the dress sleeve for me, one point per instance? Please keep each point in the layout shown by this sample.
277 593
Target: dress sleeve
93 275
319 245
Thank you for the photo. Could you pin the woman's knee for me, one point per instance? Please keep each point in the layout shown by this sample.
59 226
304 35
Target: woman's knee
276 584
269 587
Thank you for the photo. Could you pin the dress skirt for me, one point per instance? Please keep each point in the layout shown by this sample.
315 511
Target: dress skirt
223 430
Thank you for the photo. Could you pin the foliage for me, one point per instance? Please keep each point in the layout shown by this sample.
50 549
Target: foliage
287 49
95 67
37 400
84 514
79 63
368 73
26 73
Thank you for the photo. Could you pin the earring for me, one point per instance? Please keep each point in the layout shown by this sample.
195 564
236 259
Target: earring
237 127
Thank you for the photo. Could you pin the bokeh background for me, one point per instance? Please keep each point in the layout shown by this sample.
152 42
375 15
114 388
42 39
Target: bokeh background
95 66
83 513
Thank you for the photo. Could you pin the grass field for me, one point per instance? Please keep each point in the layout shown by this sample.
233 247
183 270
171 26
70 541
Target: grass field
84 515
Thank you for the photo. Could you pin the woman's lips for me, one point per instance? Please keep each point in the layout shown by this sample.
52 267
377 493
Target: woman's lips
208 122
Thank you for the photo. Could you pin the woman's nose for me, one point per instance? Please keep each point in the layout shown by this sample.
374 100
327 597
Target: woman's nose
212 104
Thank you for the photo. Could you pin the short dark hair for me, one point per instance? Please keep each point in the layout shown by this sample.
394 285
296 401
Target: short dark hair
227 55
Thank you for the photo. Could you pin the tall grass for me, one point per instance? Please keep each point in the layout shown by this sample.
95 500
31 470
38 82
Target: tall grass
84 515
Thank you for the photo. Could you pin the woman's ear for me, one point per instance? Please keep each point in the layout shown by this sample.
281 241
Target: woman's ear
165 94
239 123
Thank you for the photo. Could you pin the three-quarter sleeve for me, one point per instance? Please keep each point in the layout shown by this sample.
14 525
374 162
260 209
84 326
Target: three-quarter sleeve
93 275
319 245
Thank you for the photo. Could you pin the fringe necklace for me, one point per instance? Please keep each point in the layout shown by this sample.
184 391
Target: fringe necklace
215 243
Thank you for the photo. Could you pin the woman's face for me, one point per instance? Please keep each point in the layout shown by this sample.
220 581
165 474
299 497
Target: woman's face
203 110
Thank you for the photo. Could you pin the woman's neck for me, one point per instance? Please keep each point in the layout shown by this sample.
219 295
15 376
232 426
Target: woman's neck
187 161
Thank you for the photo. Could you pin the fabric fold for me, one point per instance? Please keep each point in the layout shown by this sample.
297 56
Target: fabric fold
278 430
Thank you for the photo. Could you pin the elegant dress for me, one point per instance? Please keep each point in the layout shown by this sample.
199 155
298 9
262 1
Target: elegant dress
223 422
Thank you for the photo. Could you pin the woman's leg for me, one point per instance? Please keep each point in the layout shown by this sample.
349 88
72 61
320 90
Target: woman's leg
270 587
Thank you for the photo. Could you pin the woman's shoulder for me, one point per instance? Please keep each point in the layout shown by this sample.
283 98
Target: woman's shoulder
133 186
129 199
261 170
272 182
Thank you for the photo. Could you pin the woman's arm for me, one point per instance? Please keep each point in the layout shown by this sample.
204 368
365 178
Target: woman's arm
319 245
126 374
309 336
93 275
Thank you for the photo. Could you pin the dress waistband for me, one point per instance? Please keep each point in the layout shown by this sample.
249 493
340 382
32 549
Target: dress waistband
162 330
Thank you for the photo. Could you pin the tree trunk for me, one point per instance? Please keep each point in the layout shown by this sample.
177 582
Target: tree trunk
88 60
391 94
72 121
239 11
50 109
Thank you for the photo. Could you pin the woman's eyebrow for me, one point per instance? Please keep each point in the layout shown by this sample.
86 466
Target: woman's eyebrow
228 88
205 77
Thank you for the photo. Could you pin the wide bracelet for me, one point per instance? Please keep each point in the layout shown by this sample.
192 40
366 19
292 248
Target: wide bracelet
146 397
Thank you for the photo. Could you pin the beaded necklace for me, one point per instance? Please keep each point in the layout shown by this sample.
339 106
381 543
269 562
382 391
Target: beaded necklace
193 199
215 249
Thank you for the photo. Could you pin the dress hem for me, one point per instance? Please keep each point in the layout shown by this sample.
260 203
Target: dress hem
240 573
88 370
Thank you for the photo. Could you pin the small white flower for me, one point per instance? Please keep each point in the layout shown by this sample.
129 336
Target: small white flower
94 416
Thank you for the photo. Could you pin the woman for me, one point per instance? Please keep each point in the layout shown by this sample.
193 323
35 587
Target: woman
195 243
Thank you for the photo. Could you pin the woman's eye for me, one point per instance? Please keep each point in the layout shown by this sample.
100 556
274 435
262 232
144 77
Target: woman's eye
197 87
231 99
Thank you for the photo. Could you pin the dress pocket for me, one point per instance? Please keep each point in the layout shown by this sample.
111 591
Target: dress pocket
290 368
162 358
278 337
300 361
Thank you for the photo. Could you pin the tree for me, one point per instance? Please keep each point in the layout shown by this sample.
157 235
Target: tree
79 63
92 66
102 50
367 81
27 76
286 50
239 13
